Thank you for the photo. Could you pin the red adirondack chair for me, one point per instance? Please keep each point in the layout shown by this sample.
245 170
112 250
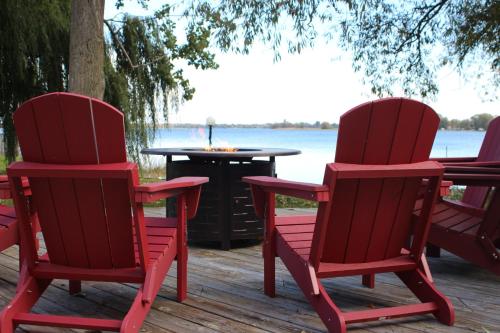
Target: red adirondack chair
363 224
8 222
89 205
470 228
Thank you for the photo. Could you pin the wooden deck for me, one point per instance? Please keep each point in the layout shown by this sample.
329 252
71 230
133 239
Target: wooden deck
225 295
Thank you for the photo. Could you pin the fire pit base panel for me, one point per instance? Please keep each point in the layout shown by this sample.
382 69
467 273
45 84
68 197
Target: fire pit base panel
225 212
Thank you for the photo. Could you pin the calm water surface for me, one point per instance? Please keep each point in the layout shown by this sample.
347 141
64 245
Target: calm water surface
317 146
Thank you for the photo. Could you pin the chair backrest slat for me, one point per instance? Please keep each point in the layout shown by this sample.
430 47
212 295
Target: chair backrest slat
490 151
85 222
370 219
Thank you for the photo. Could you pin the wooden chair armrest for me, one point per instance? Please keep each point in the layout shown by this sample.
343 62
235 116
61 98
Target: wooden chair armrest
446 160
474 167
5 192
171 184
477 179
366 171
308 191
161 190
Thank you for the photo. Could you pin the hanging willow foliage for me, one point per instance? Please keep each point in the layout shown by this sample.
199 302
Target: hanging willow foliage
34 56
144 81
142 57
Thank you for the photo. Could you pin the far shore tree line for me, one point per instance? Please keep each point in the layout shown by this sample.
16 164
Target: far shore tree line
280 125
478 122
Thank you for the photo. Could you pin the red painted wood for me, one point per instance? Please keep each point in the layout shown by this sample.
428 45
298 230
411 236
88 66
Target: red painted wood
421 225
427 132
77 120
49 129
426 292
7 211
371 171
322 219
83 171
465 245
468 231
284 220
368 280
490 151
109 136
67 211
399 263
297 228
491 224
401 225
380 135
93 221
382 121
155 191
66 321
466 225
390 313
27 228
384 220
364 222
306 191
26 296
29 144
337 233
182 251
299 236
45 207
454 218
8 228
109 132
352 134
269 251
79 117
407 132
84 194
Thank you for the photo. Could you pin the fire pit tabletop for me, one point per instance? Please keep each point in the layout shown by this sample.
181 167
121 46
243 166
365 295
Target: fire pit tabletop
240 152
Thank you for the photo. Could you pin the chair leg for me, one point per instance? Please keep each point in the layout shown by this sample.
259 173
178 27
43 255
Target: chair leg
425 291
182 256
23 272
433 251
26 296
329 313
424 267
269 269
369 280
135 317
75 287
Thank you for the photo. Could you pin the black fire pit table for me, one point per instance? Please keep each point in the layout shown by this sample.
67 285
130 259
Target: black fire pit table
225 212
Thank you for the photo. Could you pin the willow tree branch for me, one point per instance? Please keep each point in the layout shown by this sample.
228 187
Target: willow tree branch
122 48
416 32
117 41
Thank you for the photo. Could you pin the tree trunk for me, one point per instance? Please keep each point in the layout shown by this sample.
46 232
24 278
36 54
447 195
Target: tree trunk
86 49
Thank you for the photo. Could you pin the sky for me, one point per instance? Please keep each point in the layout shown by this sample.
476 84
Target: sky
317 85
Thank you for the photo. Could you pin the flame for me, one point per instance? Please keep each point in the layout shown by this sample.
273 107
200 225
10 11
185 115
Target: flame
221 149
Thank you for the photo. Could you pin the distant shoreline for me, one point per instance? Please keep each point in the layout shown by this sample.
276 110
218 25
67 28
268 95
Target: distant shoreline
291 128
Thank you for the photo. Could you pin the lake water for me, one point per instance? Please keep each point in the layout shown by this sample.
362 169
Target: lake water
317 146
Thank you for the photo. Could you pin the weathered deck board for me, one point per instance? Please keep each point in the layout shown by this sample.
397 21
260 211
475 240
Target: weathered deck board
225 295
